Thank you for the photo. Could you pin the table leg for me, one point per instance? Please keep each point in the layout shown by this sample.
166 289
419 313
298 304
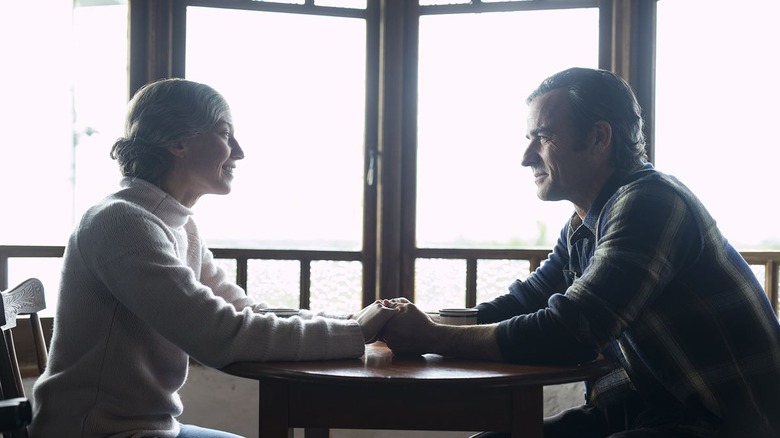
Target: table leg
528 412
316 433
274 401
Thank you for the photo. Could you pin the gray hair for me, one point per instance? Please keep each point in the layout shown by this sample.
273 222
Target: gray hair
159 115
602 95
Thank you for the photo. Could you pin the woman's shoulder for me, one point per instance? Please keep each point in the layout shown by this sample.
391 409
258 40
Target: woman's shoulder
113 214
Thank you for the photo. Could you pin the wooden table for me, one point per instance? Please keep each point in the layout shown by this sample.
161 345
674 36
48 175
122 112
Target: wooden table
383 391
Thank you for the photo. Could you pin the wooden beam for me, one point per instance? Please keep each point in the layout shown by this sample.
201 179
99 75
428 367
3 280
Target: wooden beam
157 36
627 46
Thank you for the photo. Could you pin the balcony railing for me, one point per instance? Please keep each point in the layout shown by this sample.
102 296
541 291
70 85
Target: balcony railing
764 263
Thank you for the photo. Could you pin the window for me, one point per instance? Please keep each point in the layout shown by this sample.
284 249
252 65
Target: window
472 191
65 92
716 107
297 93
304 79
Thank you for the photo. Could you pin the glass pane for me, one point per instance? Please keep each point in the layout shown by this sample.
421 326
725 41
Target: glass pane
710 80
439 283
275 282
36 122
38 126
472 190
495 276
230 266
100 97
290 2
68 91
336 286
48 83
760 271
352 4
443 2
776 302
296 84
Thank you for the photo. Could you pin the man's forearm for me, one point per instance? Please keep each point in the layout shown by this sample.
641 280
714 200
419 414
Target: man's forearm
473 341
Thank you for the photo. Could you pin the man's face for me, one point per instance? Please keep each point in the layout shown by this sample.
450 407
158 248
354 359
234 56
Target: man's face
558 155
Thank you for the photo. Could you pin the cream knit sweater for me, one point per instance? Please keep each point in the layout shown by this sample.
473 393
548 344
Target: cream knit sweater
140 295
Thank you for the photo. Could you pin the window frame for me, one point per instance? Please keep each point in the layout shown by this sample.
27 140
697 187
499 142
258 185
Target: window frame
388 254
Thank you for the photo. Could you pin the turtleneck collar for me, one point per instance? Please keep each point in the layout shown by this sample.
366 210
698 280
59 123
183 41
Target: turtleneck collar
157 201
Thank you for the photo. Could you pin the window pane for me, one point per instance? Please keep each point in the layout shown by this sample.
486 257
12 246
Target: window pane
66 89
36 122
713 80
439 283
472 190
336 286
292 2
100 99
230 266
495 276
353 4
296 84
442 2
275 282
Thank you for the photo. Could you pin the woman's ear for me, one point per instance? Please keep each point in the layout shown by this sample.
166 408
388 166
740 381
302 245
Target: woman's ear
178 149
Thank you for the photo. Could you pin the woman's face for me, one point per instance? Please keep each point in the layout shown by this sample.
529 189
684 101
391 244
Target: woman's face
204 164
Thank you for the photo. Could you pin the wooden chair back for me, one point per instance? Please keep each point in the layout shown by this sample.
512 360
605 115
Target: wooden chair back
25 298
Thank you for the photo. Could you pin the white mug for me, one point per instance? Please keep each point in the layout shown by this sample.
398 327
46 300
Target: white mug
466 316
281 312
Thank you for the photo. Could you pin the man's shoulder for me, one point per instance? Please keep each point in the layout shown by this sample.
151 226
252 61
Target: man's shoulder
653 182
652 194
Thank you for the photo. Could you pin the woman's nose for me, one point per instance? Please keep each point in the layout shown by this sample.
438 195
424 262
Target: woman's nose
236 152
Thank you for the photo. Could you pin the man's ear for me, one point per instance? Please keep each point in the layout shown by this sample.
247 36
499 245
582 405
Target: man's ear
601 136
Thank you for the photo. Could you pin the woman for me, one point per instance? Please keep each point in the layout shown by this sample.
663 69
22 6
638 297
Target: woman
140 292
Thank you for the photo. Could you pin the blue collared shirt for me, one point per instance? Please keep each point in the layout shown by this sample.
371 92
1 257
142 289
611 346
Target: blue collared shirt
648 280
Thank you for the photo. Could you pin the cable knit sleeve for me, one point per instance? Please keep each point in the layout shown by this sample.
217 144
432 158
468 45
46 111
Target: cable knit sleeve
138 257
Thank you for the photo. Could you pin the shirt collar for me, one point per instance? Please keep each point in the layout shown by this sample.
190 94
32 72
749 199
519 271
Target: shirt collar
611 186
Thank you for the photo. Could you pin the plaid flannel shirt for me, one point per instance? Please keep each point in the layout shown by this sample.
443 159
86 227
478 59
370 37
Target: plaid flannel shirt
648 280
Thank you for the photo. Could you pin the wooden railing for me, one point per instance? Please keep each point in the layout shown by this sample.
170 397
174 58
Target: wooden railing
768 260
304 258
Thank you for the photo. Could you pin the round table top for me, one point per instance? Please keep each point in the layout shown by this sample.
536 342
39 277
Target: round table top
379 365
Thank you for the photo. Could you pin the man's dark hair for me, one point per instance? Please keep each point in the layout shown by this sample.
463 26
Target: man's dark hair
602 95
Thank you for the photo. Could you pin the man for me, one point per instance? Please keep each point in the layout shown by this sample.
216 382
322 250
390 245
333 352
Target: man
640 275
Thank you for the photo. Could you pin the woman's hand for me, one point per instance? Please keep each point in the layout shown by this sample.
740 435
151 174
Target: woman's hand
373 318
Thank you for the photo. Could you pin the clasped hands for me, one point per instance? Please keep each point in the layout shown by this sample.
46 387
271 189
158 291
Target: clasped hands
396 317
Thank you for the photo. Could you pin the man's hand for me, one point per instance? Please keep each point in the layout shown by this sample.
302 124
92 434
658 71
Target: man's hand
411 331
372 318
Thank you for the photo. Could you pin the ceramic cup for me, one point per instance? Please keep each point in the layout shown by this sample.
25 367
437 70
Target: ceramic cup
458 316
281 313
